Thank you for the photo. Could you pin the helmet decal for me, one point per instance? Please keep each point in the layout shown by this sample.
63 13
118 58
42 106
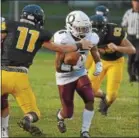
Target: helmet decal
71 18
78 23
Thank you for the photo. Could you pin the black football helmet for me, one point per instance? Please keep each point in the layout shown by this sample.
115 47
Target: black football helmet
98 22
33 13
102 10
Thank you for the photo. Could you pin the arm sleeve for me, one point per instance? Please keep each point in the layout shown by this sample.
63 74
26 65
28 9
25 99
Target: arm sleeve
46 36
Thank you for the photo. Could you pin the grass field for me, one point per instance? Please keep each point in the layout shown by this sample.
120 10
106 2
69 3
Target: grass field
122 120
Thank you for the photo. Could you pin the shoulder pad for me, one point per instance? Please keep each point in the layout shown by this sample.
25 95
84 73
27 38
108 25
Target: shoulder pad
61 37
93 37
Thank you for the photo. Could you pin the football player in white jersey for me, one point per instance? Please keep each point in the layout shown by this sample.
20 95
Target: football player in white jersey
74 77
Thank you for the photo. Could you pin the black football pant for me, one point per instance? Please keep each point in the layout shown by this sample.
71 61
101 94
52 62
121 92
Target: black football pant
133 61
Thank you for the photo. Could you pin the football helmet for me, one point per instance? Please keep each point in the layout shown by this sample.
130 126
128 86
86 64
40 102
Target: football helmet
102 10
78 23
33 13
98 22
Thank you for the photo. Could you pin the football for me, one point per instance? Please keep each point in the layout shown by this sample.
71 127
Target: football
71 58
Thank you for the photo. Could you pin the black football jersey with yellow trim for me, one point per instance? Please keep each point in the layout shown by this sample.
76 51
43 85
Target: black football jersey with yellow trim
22 42
115 34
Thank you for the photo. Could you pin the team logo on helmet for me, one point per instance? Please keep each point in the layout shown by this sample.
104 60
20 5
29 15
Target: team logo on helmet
71 18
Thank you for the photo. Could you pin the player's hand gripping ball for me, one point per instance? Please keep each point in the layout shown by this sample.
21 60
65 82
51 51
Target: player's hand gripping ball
71 58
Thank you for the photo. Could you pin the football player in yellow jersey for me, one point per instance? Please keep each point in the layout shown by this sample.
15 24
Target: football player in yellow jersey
22 40
112 47
4 98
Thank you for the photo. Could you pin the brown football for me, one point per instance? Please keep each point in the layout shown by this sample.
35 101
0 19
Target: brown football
71 58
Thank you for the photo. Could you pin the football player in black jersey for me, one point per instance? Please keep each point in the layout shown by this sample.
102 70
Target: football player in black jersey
22 41
112 47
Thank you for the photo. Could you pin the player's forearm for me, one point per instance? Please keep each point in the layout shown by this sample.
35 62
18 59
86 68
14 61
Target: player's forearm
68 48
95 54
126 50
60 48
126 47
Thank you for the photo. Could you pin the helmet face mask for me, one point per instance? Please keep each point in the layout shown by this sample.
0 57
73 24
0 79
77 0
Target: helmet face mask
81 31
78 23
97 26
33 13
98 22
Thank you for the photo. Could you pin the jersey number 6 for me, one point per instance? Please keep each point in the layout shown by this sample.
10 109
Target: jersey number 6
23 36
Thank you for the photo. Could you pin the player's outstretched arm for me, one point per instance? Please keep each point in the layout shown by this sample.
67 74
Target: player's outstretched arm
83 44
125 47
96 56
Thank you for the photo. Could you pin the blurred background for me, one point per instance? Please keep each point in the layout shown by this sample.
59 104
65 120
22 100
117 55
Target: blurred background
56 11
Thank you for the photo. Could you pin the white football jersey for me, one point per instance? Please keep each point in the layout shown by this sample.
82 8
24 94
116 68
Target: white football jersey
65 37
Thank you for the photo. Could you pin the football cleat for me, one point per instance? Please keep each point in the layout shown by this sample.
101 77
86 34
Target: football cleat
4 132
60 124
26 125
85 134
103 107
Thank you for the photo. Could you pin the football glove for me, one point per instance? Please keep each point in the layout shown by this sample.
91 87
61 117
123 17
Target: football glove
99 69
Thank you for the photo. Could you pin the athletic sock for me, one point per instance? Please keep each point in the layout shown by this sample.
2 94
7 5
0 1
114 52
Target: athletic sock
5 121
60 116
87 119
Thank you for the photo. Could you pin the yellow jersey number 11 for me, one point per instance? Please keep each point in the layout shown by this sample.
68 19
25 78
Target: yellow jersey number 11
24 31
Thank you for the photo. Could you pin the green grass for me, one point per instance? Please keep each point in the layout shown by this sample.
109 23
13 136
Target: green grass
122 120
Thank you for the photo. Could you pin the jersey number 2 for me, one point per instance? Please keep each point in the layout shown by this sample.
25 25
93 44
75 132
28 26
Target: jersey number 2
23 36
